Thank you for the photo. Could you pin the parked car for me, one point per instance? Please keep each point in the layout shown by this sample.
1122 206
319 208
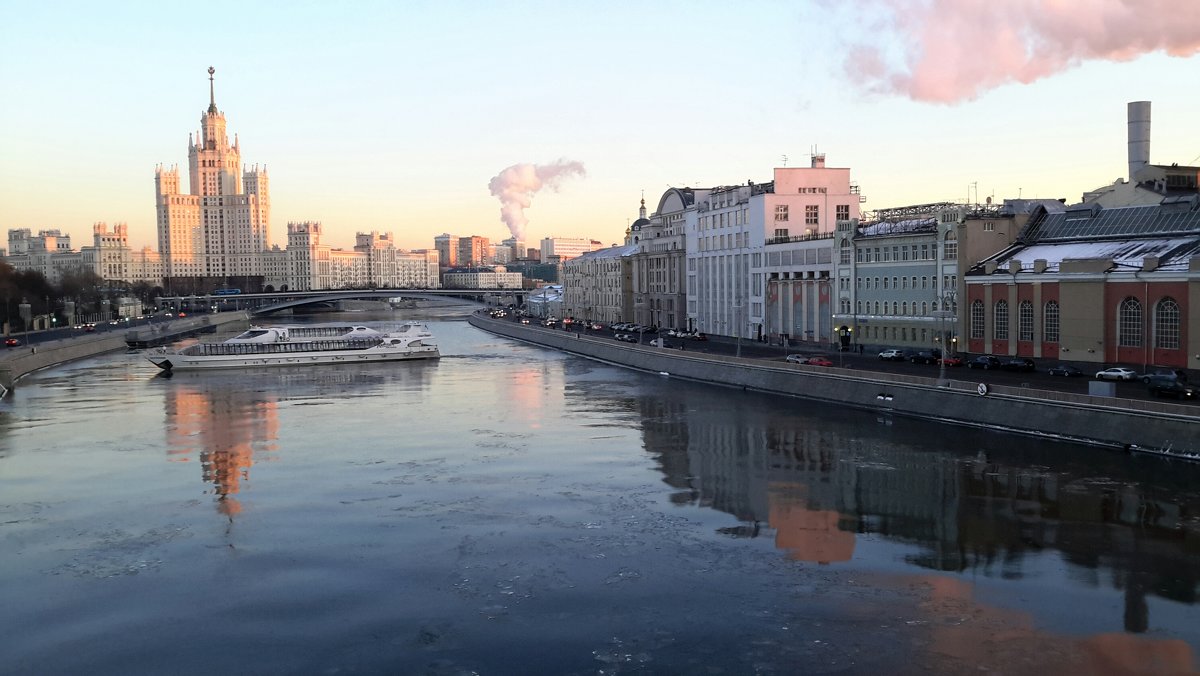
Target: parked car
1178 374
1168 385
985 362
627 337
1117 373
797 359
1019 364
11 342
925 357
892 355
951 361
819 361
1065 370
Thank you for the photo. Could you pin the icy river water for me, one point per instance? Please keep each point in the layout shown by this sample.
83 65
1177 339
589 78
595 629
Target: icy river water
513 510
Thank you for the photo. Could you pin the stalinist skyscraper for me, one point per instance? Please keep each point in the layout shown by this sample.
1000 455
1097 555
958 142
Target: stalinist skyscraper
219 228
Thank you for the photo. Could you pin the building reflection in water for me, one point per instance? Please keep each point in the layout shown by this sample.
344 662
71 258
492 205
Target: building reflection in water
966 501
230 419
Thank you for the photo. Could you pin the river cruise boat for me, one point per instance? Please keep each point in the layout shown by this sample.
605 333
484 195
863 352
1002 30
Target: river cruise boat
295 345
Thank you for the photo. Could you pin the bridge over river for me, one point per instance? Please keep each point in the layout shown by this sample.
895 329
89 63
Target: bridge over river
278 301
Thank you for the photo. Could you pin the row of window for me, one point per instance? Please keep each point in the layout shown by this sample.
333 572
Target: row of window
910 252
1131 328
896 308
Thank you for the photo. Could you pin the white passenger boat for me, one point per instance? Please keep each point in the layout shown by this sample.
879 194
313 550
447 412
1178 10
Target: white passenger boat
293 345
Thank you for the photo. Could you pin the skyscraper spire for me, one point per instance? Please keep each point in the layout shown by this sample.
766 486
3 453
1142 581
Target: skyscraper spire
212 99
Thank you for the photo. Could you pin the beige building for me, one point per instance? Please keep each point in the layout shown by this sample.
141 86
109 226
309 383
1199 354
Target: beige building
598 285
658 268
219 227
310 265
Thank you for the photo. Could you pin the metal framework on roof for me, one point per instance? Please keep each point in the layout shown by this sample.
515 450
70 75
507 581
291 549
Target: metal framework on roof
1176 218
914 211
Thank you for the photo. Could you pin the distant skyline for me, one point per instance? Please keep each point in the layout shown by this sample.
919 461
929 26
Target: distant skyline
397 117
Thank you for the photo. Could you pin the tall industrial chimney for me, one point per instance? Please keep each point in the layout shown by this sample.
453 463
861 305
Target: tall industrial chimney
1139 137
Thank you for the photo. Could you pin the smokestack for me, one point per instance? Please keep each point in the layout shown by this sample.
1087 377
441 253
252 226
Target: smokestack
1139 137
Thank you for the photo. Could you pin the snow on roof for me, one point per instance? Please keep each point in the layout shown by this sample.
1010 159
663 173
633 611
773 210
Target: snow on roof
1173 253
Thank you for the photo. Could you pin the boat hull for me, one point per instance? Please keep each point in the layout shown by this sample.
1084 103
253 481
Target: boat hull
170 360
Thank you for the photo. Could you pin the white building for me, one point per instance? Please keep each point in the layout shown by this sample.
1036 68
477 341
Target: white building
563 248
760 257
482 278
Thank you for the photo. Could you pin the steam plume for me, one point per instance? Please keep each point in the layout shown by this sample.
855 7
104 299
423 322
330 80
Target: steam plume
516 186
955 50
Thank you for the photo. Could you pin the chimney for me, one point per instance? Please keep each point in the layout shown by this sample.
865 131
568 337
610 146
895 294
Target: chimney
1139 137
1039 265
1149 263
818 161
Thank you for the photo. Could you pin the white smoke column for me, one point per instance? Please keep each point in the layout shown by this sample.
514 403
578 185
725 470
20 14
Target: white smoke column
955 50
516 186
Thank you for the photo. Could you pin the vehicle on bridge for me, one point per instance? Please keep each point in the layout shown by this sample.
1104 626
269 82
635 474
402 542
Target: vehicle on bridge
226 292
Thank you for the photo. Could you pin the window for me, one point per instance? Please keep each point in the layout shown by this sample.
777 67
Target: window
1129 323
1001 320
1025 321
1050 322
812 214
885 283
904 309
989 226
781 232
977 319
844 258
1166 324
781 212
843 212
858 255
950 249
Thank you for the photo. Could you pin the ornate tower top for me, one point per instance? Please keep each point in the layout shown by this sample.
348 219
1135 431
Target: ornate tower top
212 99
642 210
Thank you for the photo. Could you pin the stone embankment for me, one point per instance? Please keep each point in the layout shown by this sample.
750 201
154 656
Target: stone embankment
19 361
1125 424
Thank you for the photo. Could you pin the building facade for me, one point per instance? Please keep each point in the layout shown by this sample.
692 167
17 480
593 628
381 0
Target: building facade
897 278
556 249
1094 285
597 285
659 264
219 228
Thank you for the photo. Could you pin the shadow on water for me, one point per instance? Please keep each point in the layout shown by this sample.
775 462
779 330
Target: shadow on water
817 477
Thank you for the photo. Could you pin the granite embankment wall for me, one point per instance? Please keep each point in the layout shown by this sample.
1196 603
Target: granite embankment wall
20 361
1149 426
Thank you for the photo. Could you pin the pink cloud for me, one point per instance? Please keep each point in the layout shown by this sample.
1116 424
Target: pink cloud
955 50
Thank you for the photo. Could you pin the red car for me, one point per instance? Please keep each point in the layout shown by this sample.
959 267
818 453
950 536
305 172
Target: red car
819 361
952 361
11 342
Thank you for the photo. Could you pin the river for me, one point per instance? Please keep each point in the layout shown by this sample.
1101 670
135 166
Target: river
513 510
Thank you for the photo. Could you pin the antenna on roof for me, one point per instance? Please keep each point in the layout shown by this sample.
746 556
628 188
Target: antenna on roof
785 161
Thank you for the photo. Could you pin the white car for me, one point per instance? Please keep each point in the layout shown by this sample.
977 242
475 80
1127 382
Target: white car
797 359
892 355
1117 373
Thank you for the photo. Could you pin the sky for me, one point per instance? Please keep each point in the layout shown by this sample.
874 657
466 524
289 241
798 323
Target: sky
419 118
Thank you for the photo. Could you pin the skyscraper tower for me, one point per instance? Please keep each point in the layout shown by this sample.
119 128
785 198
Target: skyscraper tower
220 227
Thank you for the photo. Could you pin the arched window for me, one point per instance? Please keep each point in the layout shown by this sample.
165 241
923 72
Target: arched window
1050 322
1166 324
904 309
1129 323
1001 320
895 308
1025 321
977 319
935 306
924 309
950 248
876 307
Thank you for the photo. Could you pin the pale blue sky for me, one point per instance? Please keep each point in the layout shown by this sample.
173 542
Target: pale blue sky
394 116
